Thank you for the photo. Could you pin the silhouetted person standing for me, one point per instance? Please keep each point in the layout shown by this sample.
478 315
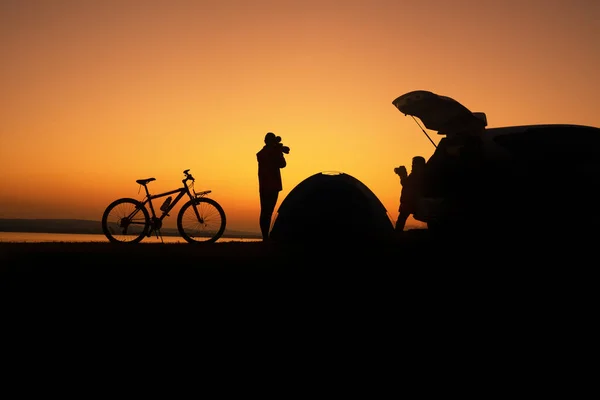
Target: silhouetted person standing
412 188
270 161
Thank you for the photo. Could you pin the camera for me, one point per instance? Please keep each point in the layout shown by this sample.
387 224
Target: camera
284 149
401 170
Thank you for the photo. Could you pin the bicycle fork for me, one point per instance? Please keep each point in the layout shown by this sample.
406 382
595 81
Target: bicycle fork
195 206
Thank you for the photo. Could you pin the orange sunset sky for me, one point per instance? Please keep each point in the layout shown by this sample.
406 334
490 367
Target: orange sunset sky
97 94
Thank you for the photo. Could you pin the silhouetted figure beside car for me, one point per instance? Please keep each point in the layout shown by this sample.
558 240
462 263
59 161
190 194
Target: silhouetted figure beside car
458 176
412 189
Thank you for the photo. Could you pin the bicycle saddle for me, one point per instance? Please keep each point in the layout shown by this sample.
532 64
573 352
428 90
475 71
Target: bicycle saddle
145 181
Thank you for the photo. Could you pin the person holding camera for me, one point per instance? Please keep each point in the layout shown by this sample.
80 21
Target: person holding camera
270 161
412 186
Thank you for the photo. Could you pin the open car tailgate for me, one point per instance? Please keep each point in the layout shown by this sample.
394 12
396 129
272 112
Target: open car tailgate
439 113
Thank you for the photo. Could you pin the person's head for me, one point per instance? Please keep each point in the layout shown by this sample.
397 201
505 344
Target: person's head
271 138
418 162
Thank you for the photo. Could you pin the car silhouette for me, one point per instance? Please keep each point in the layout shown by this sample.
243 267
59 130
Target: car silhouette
543 178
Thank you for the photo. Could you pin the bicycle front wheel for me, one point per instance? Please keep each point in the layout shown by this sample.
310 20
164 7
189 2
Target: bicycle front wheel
125 221
201 221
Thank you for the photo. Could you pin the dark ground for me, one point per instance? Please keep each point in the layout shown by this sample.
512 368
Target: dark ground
431 297
235 266
414 262
413 275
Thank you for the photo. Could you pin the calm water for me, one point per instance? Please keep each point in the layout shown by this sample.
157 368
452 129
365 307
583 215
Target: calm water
32 237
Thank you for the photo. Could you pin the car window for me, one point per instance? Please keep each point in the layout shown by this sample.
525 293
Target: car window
553 143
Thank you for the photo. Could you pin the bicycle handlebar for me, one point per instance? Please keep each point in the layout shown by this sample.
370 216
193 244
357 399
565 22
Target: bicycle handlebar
188 176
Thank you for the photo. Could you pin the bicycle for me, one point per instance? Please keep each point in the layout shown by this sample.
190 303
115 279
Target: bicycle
200 219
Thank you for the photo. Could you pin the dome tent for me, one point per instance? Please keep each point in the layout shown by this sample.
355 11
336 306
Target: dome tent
330 206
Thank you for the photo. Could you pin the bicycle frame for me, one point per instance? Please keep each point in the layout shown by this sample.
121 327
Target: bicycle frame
182 191
149 197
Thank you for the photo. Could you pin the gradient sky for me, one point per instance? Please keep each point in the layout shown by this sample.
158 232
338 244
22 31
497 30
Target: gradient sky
97 94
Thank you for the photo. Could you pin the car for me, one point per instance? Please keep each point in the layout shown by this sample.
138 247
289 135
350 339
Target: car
541 177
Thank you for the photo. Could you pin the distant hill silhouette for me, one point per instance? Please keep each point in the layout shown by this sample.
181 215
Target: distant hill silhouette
51 226
80 226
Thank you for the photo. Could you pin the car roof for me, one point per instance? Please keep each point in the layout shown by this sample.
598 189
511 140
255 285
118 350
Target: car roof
516 129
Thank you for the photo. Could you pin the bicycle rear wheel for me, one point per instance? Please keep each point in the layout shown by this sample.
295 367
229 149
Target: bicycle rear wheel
125 221
201 221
